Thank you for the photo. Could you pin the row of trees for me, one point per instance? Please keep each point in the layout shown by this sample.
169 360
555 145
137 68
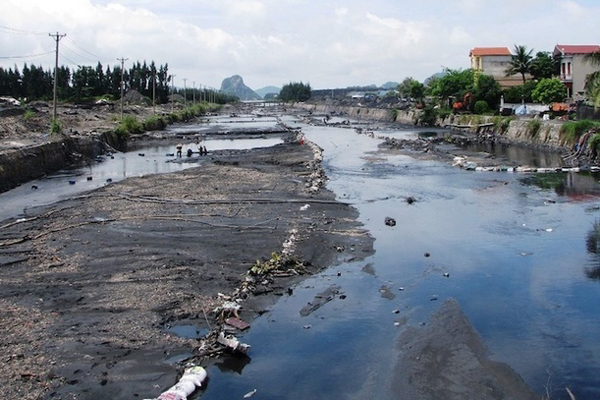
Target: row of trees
35 83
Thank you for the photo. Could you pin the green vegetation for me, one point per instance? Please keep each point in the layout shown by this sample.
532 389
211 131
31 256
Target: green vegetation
428 116
394 114
548 91
570 132
28 114
295 91
154 123
544 66
594 144
129 125
501 123
516 94
592 81
276 262
520 62
533 128
55 127
481 107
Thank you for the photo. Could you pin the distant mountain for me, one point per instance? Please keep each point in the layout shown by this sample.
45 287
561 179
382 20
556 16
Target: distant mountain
267 90
235 86
390 85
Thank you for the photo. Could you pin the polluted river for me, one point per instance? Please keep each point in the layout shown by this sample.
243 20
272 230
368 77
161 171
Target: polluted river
519 252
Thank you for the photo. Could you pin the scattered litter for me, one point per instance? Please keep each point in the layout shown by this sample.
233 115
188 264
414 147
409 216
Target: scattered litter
72 182
250 394
389 221
397 323
434 297
191 380
34 187
396 311
427 255
304 207
410 200
447 274
232 343
307 327
237 323
401 288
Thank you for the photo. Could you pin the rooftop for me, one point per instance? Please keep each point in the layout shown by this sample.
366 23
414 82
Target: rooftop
489 51
576 48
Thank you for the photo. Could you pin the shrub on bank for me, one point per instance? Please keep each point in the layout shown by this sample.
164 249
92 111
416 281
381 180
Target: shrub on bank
533 128
570 132
481 107
154 123
129 125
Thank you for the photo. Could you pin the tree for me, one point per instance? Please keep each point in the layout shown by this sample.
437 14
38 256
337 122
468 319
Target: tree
295 91
488 90
520 62
543 65
549 91
404 87
456 83
592 81
417 90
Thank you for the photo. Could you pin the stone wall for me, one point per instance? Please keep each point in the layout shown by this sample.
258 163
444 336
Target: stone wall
520 131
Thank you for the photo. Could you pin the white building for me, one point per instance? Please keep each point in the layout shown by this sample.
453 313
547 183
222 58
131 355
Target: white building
573 67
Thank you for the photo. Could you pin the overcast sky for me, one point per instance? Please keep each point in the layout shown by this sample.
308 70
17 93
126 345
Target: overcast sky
333 43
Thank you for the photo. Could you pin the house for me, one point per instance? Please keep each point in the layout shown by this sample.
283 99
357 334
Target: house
573 67
494 61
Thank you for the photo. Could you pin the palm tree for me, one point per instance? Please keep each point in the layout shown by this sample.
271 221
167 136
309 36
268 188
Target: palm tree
520 63
592 81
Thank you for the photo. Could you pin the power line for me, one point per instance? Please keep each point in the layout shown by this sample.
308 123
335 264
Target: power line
27 56
97 57
15 31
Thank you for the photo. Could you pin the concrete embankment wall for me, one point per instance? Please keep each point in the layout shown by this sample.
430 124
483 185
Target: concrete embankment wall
518 131
28 163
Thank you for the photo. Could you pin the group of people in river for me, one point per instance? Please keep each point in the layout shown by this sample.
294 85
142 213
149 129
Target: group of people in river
201 150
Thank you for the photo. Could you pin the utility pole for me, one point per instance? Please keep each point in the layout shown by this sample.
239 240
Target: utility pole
194 93
184 93
122 83
172 94
56 36
153 90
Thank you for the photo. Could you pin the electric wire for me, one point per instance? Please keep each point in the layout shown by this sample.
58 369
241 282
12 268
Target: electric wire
15 31
26 56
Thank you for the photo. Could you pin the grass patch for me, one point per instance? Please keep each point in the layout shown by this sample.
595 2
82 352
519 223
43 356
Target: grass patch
29 114
129 125
570 132
533 128
55 127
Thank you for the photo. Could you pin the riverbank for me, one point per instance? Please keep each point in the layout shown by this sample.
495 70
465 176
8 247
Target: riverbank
92 285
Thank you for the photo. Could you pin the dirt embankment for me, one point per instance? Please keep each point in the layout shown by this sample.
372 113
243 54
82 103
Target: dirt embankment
90 285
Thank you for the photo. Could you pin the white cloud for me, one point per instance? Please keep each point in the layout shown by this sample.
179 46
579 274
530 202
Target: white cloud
271 42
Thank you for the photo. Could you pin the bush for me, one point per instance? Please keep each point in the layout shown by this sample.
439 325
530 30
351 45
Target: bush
481 107
570 132
154 123
428 117
394 114
129 125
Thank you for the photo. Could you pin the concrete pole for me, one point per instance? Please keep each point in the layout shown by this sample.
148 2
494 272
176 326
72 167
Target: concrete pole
57 38
122 83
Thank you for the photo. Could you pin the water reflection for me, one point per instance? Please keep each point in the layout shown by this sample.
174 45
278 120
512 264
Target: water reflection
576 186
592 244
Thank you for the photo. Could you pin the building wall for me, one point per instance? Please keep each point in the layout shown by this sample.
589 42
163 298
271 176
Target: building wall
581 69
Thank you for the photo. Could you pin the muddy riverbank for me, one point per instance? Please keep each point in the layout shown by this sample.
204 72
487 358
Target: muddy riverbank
90 285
